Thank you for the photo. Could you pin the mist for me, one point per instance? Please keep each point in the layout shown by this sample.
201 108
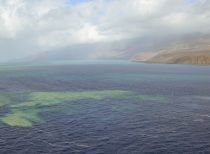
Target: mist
101 29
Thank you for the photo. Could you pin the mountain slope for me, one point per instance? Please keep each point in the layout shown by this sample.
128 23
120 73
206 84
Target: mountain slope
184 57
185 51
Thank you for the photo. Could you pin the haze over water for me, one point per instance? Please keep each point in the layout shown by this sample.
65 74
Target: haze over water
106 107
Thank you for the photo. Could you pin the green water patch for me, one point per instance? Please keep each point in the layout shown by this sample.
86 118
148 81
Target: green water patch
21 118
4 99
29 107
41 99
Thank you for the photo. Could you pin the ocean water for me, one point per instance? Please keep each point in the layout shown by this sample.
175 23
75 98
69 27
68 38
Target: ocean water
104 107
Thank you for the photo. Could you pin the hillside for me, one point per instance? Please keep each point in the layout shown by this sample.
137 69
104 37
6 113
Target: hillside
192 49
186 51
186 57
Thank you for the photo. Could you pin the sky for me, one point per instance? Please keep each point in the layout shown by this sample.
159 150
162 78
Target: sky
31 27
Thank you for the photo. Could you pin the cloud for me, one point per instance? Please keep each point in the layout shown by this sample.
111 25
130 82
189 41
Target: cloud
30 26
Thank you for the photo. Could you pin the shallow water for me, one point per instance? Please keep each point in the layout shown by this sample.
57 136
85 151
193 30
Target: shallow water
166 108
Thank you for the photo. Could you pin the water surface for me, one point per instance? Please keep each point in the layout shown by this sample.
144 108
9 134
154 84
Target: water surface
104 107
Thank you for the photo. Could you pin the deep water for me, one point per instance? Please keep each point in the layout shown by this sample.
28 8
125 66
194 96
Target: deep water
166 108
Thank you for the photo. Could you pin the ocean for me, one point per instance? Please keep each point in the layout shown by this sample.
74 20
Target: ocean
104 107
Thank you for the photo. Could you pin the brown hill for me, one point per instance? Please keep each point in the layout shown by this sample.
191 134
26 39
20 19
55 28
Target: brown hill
188 51
184 57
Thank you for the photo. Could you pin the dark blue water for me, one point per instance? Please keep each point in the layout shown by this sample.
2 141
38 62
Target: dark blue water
181 125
